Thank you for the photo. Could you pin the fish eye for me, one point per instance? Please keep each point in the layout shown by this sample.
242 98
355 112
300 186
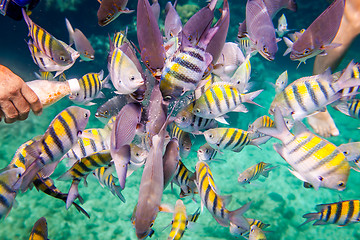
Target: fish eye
137 154
346 152
341 184
86 115
108 16
197 110
152 224
132 78
306 51
106 112
62 58
183 119
265 49
207 151
77 94
211 136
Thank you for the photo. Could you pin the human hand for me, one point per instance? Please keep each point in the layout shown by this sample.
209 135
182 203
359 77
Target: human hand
16 98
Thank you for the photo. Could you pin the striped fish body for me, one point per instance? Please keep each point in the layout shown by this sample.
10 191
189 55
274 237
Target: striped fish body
119 39
44 62
123 73
309 94
179 221
238 231
183 138
184 179
206 153
214 202
108 180
220 99
90 88
314 160
87 164
263 121
205 84
350 108
19 159
256 233
183 72
171 46
86 146
39 231
187 121
7 195
233 139
62 134
208 194
48 44
339 213
254 172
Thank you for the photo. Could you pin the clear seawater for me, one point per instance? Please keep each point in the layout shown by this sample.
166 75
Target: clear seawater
280 200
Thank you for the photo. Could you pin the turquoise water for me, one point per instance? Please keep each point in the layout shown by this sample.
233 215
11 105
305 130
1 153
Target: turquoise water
280 200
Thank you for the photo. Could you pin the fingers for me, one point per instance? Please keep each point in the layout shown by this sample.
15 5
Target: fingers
32 99
22 107
10 112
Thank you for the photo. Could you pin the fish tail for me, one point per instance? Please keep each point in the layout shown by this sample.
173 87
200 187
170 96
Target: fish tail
342 107
66 176
236 216
121 161
80 209
73 194
289 44
27 19
250 96
279 130
117 191
28 176
70 30
266 171
310 217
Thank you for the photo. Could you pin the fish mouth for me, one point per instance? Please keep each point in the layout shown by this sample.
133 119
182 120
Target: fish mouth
267 56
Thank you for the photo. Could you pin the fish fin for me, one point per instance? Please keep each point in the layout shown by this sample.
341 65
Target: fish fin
117 191
222 120
106 83
297 175
241 108
343 107
226 199
266 171
310 217
280 130
100 95
237 217
58 73
260 140
278 40
330 46
166 208
48 169
126 10
89 104
70 30
85 181
66 176
300 128
278 147
28 176
80 209
248 97
73 194
208 58
289 44
121 160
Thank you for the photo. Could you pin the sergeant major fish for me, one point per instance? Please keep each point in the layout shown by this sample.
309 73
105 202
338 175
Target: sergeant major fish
216 203
108 180
282 26
179 222
313 159
339 213
254 172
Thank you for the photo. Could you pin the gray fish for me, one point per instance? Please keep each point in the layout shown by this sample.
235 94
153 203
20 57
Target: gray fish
109 10
319 35
260 29
352 154
274 6
171 160
172 23
155 8
111 107
82 44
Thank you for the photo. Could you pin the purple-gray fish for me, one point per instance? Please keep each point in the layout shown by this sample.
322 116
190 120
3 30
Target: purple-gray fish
82 44
170 160
172 23
260 29
151 188
109 10
274 6
122 134
319 35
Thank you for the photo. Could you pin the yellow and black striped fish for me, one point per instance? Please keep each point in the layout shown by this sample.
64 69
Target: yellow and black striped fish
90 88
254 172
108 180
48 44
189 122
350 108
40 230
7 195
205 84
233 139
221 98
183 138
216 203
119 39
47 75
179 222
307 95
184 178
58 139
340 213
46 185
314 160
254 134
87 164
238 231
99 140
